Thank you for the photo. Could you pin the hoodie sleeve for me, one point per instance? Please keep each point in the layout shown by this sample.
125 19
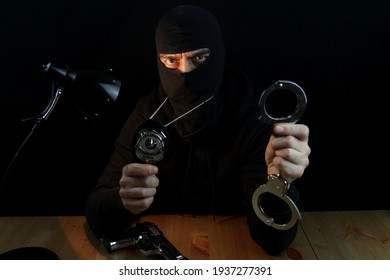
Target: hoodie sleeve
103 207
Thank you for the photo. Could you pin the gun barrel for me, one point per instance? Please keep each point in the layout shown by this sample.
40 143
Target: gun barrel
112 245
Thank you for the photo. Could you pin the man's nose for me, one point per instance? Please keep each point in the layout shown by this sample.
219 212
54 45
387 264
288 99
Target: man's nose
186 65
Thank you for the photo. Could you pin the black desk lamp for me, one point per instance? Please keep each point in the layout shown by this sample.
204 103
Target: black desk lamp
93 92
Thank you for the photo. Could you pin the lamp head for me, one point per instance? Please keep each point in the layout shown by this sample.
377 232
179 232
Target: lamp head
93 92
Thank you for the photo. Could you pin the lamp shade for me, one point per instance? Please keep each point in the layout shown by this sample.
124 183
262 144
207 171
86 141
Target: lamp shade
93 92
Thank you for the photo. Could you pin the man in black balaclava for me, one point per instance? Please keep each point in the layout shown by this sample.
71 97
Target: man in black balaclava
194 74
220 152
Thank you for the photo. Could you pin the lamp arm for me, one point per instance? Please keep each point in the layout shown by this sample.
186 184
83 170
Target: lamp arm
49 109
17 153
56 94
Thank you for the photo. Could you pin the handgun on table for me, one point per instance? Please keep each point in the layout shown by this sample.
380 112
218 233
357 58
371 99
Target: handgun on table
149 239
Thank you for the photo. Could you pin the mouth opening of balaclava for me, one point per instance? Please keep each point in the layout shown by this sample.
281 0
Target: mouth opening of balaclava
183 29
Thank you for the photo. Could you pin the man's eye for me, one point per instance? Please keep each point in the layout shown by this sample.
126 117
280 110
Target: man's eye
200 59
170 62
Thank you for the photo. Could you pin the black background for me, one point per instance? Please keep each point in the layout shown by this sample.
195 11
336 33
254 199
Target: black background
338 51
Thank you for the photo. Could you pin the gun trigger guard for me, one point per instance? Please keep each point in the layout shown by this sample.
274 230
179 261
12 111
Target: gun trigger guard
146 246
279 187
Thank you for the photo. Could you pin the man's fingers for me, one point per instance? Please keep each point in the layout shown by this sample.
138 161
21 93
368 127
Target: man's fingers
139 169
134 193
299 131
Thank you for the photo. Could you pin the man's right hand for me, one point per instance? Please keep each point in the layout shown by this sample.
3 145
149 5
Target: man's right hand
138 186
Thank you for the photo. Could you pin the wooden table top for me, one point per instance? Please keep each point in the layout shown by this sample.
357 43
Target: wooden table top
348 235
197 238
321 235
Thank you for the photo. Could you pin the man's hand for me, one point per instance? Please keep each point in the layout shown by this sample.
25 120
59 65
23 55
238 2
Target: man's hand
288 152
138 186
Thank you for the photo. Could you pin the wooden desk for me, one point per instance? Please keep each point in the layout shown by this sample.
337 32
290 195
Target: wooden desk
346 235
198 238
321 235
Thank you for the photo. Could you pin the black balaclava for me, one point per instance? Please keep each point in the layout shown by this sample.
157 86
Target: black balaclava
183 29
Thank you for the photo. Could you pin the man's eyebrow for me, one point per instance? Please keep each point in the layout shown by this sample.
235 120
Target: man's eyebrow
200 52
178 55
192 54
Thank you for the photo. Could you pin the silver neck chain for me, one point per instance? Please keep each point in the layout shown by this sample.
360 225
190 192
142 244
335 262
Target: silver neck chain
179 117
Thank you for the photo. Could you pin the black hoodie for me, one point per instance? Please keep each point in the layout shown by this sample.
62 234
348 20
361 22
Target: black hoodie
212 167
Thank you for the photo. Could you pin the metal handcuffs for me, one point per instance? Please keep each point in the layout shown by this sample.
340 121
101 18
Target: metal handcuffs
277 185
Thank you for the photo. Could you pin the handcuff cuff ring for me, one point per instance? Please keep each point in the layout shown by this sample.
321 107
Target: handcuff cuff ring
283 85
277 186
